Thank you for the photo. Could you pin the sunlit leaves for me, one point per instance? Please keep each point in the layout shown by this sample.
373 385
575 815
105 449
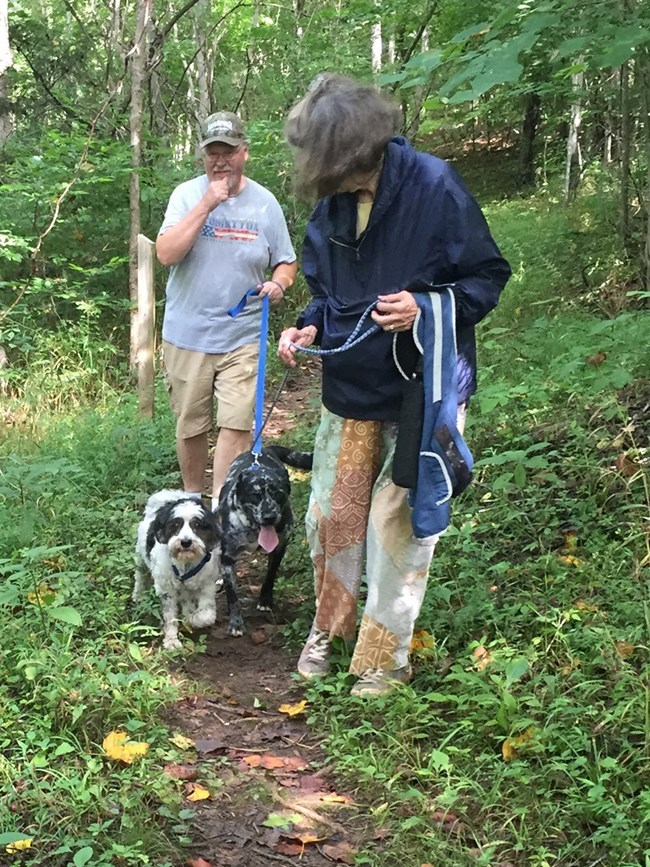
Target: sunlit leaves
293 709
117 746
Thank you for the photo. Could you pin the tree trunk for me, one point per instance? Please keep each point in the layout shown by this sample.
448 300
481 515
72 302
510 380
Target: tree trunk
642 67
6 60
573 170
625 144
203 77
375 47
532 114
138 64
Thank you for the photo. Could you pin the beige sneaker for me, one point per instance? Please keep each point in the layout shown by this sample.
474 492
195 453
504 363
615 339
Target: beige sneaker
376 681
314 659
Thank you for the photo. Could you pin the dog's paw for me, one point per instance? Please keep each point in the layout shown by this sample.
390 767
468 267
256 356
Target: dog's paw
172 644
235 626
264 606
201 619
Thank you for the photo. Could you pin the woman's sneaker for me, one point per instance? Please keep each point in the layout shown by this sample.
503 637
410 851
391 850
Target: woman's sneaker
377 681
314 659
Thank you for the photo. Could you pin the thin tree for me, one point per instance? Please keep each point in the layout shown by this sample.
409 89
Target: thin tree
138 63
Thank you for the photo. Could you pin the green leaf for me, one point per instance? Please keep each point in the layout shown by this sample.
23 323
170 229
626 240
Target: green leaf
66 614
275 820
520 476
439 760
516 669
12 837
83 856
135 652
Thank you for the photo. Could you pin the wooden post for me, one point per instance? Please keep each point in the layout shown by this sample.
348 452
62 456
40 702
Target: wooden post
146 317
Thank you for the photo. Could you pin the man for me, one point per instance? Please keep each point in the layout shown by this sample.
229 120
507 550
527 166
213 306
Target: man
223 233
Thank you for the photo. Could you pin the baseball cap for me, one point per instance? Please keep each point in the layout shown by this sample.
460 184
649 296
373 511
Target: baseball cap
223 126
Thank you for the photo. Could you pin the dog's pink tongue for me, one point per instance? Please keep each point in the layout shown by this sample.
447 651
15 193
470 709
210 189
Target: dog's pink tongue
268 539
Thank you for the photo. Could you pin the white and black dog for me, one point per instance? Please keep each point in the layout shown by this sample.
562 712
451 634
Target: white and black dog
178 547
254 512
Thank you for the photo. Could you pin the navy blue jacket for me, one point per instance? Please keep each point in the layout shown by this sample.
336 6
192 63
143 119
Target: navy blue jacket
425 229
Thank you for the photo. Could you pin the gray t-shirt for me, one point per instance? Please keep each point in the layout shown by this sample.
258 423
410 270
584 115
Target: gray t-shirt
241 241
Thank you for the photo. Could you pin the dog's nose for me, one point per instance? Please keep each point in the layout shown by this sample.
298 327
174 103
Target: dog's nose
186 543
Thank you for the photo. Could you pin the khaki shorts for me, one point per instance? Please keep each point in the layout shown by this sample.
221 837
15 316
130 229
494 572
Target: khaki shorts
195 379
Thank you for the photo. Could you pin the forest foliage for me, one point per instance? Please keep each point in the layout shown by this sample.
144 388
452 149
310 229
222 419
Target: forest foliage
529 720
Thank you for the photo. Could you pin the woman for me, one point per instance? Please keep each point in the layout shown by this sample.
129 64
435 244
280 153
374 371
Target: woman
390 223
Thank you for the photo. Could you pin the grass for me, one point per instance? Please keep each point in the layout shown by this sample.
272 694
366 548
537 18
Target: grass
525 737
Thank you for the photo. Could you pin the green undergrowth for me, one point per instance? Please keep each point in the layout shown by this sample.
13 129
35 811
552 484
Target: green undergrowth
524 738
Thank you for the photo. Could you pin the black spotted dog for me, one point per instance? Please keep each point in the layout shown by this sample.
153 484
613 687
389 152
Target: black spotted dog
178 548
254 512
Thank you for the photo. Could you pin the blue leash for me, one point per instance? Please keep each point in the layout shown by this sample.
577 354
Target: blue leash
261 366
351 341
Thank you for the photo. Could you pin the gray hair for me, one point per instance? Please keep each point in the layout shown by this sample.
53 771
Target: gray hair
340 127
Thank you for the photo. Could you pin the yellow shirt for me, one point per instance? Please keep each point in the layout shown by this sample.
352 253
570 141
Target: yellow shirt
363 215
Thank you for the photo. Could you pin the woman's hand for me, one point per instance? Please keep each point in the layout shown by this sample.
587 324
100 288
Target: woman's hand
395 312
300 336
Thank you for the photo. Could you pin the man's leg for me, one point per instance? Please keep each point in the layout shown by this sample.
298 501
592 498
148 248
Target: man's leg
190 377
193 459
234 386
230 444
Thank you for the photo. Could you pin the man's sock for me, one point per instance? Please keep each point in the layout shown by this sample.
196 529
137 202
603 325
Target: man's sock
215 503
195 495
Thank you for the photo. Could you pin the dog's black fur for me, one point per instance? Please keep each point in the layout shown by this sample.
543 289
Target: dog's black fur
254 511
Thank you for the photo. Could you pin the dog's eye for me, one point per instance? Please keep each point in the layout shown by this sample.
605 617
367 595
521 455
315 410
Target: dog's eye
175 526
197 524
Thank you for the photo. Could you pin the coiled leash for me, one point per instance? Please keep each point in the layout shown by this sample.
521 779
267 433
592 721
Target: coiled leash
260 421
353 340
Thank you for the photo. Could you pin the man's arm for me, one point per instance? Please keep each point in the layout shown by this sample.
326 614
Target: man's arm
176 242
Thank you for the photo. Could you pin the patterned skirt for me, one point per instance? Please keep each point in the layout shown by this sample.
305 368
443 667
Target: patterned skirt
359 523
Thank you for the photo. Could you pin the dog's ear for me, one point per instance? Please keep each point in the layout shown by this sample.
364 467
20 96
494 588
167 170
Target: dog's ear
158 527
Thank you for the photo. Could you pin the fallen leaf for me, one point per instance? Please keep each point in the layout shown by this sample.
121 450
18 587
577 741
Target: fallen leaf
210 745
624 648
182 742
511 746
333 798
273 763
284 847
117 746
422 640
571 666
19 846
197 792
570 560
258 636
626 466
597 359
182 772
340 852
448 822
482 657
293 709
43 595
310 782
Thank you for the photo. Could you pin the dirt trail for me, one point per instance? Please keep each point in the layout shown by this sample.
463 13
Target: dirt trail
272 798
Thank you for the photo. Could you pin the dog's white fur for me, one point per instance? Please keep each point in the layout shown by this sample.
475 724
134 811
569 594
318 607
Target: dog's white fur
178 531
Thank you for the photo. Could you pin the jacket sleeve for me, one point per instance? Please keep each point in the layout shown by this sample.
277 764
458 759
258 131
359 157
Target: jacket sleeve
477 267
314 312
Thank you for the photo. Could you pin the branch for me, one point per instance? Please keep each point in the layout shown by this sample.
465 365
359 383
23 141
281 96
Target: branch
193 57
418 36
